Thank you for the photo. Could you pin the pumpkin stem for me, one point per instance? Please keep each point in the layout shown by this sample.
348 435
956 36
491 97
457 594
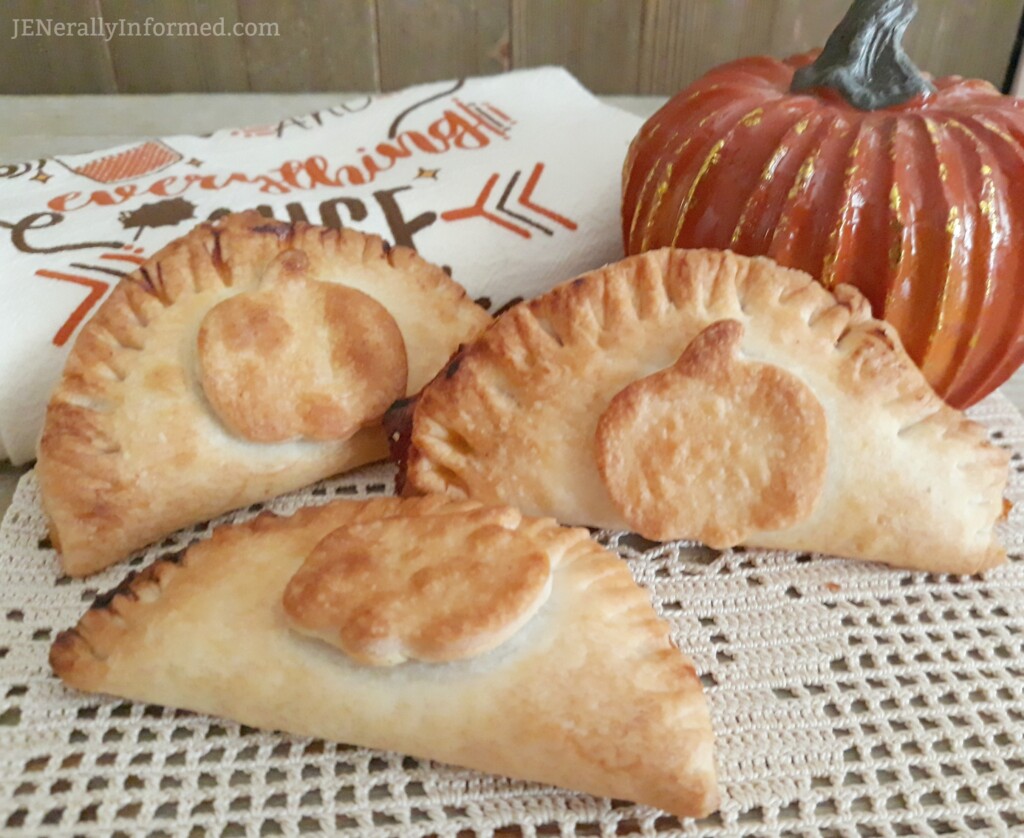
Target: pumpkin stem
864 60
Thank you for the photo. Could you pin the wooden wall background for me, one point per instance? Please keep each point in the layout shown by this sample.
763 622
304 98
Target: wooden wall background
613 46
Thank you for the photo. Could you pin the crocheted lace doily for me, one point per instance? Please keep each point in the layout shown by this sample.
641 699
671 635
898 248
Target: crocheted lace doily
847 699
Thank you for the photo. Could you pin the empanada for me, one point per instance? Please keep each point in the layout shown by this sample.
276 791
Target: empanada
704 395
244 360
433 627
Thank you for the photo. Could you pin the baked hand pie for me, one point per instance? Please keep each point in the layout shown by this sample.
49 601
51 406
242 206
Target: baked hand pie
439 628
708 396
244 360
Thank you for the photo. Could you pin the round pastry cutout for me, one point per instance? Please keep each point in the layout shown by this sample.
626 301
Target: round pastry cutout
299 358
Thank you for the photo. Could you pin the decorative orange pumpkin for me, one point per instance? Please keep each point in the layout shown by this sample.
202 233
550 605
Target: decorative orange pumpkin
856 169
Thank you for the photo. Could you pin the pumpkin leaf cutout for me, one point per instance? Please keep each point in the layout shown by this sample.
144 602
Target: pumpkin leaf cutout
715 446
299 358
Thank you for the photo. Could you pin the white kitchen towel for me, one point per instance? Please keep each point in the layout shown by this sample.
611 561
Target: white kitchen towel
511 182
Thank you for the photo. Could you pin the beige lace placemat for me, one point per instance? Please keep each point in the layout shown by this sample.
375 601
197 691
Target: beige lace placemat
847 698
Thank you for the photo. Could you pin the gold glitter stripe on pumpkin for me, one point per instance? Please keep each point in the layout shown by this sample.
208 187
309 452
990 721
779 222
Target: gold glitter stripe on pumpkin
663 186
653 175
749 120
753 119
954 227
702 91
896 225
768 175
641 196
650 131
804 176
710 161
1000 132
648 134
987 205
828 267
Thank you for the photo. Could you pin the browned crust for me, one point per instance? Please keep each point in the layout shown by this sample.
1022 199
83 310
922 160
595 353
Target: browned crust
530 349
398 427
724 479
300 358
638 291
85 485
78 655
643 715
424 587
398 423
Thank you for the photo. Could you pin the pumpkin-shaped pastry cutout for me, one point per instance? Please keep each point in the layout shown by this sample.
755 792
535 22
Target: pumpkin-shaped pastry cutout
436 588
299 358
514 417
590 694
714 448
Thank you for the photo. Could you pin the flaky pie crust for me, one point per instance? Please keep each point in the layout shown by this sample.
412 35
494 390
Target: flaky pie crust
130 449
513 419
590 694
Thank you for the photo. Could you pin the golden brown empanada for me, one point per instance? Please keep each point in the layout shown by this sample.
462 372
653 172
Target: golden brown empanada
244 360
704 395
428 626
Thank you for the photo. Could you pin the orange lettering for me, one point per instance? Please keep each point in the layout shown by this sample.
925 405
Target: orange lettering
161 187
62 203
450 131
